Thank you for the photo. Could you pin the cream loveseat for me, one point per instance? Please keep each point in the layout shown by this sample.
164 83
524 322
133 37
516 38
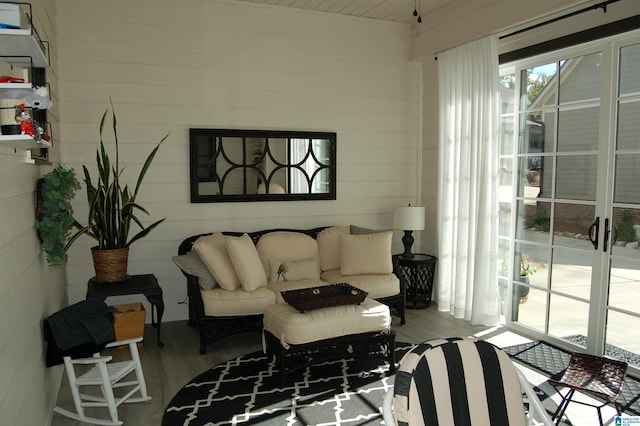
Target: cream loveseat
232 276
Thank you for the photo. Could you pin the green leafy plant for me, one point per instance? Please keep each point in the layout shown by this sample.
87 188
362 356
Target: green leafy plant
540 219
625 227
55 214
113 206
528 266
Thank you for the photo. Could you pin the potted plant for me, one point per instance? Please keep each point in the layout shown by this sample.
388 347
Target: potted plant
113 210
528 266
54 214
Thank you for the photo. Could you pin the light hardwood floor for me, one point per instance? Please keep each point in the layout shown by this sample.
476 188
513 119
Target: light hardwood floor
169 368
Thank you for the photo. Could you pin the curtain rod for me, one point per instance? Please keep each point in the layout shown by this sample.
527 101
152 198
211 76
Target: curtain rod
603 5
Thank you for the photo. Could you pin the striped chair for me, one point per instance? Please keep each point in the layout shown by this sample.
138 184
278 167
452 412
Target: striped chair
458 381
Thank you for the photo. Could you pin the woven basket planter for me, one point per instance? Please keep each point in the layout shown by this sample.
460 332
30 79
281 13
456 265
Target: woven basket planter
110 265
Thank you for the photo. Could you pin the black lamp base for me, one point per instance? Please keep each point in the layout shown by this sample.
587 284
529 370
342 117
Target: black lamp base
407 240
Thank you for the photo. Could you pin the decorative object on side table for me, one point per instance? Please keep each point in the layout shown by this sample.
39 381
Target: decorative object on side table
135 284
409 219
112 208
418 273
128 321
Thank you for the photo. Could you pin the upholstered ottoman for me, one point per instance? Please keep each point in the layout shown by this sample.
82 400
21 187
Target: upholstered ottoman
299 339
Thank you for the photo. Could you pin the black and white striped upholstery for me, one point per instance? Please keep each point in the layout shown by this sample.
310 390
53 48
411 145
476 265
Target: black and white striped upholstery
457 381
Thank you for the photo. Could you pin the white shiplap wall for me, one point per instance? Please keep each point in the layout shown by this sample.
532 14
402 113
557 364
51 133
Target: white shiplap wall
29 290
204 63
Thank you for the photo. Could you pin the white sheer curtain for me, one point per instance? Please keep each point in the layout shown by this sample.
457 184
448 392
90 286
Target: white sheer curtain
467 192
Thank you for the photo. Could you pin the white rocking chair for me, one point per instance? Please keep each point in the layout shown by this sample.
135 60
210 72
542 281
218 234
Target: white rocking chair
107 375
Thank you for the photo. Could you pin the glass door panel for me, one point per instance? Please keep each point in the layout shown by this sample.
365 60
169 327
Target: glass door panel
557 180
571 222
571 272
577 199
624 281
532 310
572 327
622 332
576 177
627 189
620 343
580 78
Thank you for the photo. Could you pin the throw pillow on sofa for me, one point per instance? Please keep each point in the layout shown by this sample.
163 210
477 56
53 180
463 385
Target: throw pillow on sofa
191 264
366 254
246 262
212 249
329 246
294 270
360 230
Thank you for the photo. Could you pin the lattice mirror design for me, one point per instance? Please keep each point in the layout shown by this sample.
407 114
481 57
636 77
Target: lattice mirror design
261 165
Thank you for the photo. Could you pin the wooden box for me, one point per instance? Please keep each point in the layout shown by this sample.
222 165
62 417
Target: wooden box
128 320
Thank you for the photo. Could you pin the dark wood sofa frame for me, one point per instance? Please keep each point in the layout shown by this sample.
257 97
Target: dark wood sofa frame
214 328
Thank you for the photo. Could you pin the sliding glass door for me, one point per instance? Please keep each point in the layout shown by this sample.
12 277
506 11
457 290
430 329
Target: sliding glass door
570 196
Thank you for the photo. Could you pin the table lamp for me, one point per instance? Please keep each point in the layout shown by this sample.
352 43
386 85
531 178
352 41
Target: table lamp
408 219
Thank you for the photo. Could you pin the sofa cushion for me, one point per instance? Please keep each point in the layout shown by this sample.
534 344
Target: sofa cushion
212 249
329 246
222 303
191 264
285 245
377 285
366 254
292 327
246 262
360 230
293 270
279 286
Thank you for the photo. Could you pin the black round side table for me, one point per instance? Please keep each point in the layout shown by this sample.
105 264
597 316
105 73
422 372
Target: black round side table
418 273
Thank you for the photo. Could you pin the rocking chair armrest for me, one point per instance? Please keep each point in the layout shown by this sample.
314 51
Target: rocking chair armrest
92 360
535 406
124 342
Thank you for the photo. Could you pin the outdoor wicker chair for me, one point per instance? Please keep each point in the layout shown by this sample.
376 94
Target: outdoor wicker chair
599 376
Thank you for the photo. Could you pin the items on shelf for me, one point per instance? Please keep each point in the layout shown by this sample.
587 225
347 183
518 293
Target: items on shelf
28 126
24 95
11 79
10 16
35 97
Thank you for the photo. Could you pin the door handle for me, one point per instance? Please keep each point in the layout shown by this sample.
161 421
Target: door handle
606 234
594 230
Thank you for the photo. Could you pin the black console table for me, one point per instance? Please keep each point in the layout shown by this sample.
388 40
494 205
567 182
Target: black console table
135 284
418 273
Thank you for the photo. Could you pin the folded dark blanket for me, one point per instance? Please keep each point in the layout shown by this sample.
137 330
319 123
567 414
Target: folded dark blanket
79 330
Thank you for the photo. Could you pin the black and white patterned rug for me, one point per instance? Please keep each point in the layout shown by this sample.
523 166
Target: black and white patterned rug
247 391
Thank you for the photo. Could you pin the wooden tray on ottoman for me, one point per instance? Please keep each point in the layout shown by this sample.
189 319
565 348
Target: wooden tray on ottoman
324 296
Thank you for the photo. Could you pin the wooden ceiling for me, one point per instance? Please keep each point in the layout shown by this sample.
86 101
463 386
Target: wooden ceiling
388 10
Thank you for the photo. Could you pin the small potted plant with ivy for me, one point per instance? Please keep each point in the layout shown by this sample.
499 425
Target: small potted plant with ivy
54 212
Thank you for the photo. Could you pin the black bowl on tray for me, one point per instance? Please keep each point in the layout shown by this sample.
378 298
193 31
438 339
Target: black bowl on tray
324 296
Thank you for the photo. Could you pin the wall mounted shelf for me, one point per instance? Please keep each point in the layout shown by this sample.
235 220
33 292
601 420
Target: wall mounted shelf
24 47
23 142
16 86
24 43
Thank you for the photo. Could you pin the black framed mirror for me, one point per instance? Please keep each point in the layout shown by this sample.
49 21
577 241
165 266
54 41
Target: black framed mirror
229 165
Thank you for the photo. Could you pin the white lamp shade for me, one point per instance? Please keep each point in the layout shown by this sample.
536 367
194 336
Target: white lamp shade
409 218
